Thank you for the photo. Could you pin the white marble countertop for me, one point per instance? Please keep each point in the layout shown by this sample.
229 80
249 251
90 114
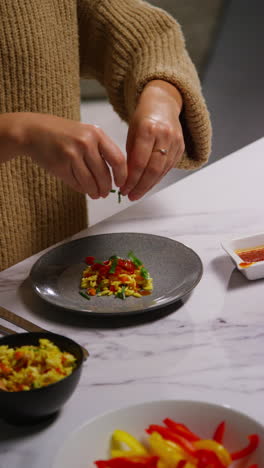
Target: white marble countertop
210 348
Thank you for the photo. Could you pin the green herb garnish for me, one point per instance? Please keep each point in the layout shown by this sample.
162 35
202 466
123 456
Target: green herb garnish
114 264
144 273
118 193
121 294
83 294
134 259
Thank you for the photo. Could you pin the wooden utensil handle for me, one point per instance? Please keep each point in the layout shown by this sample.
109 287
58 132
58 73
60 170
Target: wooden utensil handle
19 321
6 330
27 325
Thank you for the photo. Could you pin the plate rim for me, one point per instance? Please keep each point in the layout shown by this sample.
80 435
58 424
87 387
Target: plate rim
90 313
150 403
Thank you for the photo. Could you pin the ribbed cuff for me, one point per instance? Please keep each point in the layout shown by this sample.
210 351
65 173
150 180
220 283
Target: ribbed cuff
132 43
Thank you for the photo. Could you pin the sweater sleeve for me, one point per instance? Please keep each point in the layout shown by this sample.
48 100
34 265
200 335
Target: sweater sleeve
124 44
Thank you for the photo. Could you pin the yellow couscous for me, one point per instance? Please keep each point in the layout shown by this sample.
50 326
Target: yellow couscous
119 277
29 367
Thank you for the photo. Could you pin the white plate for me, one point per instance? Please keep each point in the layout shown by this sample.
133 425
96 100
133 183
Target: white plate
255 271
91 441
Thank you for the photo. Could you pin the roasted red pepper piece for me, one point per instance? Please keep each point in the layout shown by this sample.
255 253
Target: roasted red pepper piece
103 271
253 444
208 459
181 429
118 270
89 260
254 466
182 464
170 435
126 265
219 432
97 266
122 462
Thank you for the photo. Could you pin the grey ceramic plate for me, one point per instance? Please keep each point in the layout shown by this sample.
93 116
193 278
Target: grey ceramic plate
175 269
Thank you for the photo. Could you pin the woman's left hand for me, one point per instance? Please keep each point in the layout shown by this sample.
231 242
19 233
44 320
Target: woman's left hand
155 141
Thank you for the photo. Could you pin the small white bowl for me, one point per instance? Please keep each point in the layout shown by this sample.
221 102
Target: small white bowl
254 271
92 441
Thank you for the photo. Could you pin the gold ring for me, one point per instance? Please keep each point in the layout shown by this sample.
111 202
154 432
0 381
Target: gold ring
161 150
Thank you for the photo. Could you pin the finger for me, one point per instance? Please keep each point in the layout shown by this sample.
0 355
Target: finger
176 153
154 169
138 158
179 148
112 154
80 176
99 170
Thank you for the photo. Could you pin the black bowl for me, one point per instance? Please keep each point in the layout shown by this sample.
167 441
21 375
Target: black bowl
35 405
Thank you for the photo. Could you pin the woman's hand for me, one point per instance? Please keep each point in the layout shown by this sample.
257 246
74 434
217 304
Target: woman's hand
77 153
154 126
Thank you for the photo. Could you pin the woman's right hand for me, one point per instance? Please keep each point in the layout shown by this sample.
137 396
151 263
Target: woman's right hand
79 154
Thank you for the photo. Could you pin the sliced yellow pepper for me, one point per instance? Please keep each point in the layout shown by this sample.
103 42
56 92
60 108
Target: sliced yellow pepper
121 438
215 447
115 453
169 452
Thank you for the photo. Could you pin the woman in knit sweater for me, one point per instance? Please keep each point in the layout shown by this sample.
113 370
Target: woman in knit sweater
49 160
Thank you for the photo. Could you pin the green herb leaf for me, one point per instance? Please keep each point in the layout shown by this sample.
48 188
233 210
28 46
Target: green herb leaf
98 261
99 288
134 259
144 273
118 193
121 294
83 294
114 265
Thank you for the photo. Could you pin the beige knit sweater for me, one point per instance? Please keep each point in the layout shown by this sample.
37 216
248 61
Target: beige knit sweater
45 45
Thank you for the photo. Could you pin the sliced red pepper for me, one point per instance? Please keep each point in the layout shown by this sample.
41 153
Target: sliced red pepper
181 463
103 271
170 435
122 462
250 448
208 459
181 429
254 466
219 432
118 270
89 260
126 264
